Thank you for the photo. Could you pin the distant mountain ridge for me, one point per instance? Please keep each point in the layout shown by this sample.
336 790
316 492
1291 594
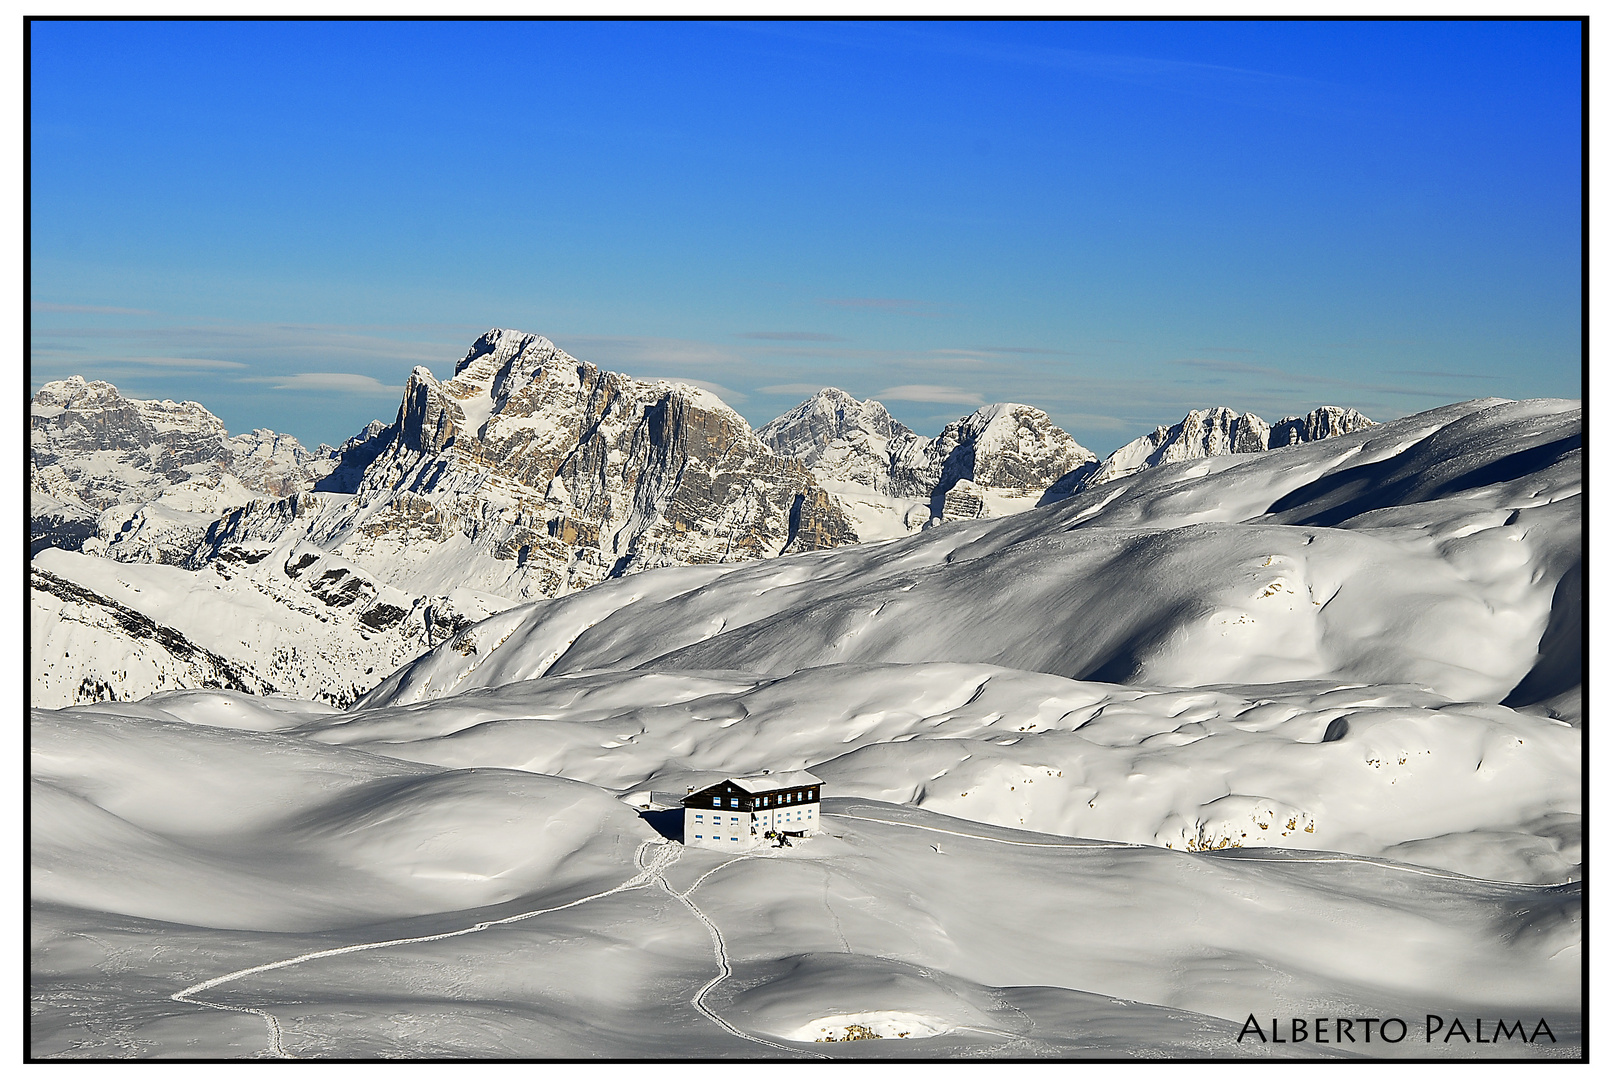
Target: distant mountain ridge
1211 432
1005 457
531 473
1005 452
91 451
528 474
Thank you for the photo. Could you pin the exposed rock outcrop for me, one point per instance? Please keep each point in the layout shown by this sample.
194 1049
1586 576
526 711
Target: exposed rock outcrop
1206 433
531 473
141 480
1007 454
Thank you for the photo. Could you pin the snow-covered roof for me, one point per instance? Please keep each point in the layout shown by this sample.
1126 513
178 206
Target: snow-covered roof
774 781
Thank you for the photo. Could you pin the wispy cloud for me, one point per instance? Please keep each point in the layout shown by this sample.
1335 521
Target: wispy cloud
1022 350
953 395
87 309
633 354
793 388
1100 421
185 363
788 335
1239 367
1278 91
340 382
1444 375
279 340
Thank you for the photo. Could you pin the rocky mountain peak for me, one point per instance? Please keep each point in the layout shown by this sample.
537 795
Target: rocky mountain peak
428 417
809 430
1322 423
543 474
498 366
1219 430
1007 448
96 457
75 391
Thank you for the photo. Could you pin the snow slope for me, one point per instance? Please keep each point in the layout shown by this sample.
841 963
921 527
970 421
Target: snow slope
298 621
1425 551
208 889
1294 734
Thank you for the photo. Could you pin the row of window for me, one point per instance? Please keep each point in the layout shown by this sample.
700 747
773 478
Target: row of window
766 800
733 820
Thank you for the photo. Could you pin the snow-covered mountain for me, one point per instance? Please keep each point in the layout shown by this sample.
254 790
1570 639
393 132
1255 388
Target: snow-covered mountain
846 437
308 624
892 481
528 473
141 480
1000 459
1424 567
1212 432
1102 778
1391 554
532 473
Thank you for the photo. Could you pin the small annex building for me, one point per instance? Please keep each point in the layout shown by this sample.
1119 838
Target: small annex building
746 811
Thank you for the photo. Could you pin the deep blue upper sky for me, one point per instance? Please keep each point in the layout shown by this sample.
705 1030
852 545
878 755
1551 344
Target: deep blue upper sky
1113 221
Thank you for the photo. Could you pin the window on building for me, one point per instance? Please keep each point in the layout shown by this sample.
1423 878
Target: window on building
733 803
716 800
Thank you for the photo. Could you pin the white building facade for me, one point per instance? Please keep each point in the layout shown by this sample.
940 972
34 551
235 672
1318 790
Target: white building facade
744 812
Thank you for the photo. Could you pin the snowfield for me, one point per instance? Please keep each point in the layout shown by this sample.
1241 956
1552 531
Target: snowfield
1295 733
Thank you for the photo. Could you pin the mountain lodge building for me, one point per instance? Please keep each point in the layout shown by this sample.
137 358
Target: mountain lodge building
742 812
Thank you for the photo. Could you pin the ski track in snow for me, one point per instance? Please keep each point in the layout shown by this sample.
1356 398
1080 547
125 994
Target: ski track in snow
1100 846
720 947
650 872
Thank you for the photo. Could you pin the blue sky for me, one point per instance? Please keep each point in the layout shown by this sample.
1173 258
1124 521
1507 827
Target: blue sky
1113 221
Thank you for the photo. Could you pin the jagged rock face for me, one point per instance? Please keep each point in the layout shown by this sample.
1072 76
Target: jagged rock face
276 464
1004 452
140 479
1015 449
838 438
532 473
1323 423
90 444
1213 432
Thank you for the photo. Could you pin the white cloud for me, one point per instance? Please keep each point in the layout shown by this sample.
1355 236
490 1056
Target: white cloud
952 395
790 388
90 309
340 382
188 362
